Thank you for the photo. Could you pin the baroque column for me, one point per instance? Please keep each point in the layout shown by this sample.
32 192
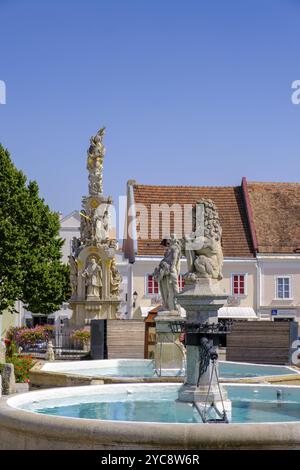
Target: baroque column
92 264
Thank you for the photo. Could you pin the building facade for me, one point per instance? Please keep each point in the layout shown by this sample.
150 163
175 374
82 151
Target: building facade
274 213
260 240
156 211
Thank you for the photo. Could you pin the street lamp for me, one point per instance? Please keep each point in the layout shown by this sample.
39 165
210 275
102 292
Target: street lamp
135 296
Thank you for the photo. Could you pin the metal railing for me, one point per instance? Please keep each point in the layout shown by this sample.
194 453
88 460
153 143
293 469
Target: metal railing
64 345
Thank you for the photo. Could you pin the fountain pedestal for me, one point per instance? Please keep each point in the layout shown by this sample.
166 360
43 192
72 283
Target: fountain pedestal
202 300
169 352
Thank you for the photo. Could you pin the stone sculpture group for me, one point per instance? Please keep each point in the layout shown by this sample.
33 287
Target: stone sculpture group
203 251
94 277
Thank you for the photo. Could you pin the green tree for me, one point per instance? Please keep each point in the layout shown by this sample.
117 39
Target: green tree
30 247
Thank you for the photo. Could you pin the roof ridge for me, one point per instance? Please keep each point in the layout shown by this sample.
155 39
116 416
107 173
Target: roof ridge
274 182
183 186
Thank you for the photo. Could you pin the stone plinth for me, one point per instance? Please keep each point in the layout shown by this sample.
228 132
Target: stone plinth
87 307
169 353
201 300
8 379
86 310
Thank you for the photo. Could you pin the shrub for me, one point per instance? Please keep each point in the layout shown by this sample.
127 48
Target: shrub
11 348
22 366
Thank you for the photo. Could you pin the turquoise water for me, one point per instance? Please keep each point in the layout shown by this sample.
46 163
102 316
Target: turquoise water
171 412
231 370
147 369
250 404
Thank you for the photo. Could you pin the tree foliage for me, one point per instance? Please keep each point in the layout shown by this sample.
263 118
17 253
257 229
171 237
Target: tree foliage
30 247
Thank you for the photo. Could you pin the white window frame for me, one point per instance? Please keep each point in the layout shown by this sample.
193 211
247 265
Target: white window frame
284 276
147 294
245 284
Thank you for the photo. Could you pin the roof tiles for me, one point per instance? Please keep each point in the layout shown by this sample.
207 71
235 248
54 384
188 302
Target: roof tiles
236 237
276 216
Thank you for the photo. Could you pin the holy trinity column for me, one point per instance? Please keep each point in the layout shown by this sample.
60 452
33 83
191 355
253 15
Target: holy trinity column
94 277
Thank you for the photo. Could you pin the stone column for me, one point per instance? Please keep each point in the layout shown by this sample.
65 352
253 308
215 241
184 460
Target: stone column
201 300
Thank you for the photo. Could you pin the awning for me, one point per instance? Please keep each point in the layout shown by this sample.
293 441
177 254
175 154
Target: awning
237 313
62 314
143 311
156 309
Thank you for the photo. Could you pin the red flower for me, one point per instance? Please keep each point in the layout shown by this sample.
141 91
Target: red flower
7 342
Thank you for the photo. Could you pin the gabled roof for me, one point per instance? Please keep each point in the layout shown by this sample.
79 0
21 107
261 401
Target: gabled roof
236 236
70 220
276 216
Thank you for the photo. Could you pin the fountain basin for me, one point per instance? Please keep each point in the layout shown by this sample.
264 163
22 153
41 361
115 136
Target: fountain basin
81 418
67 373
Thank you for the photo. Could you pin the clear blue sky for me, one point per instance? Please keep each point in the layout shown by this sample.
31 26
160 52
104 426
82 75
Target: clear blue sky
192 92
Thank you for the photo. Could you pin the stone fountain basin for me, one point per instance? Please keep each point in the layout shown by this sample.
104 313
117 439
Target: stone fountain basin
22 428
69 373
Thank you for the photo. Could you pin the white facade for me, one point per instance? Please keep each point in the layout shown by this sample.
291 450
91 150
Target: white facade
279 286
69 228
145 265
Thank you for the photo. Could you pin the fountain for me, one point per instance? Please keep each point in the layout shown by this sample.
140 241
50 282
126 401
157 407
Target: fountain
202 298
201 413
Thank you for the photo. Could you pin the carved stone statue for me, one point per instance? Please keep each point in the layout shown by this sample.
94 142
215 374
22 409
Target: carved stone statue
168 271
50 356
115 280
93 279
76 244
85 227
96 148
203 248
96 154
101 223
73 275
96 178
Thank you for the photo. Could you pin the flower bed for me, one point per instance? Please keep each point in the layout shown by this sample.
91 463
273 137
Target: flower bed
24 337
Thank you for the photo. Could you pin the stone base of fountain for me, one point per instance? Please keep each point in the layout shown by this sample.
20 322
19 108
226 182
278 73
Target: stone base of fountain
203 398
169 352
202 300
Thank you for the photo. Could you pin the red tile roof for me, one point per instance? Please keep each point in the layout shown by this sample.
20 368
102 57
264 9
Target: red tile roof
276 216
236 237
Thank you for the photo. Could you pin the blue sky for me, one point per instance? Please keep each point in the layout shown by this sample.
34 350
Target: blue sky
192 92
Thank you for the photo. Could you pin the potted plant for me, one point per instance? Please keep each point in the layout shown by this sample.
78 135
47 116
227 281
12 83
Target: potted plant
82 337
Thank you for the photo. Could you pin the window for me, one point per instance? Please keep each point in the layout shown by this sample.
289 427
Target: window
283 290
238 282
152 285
180 282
